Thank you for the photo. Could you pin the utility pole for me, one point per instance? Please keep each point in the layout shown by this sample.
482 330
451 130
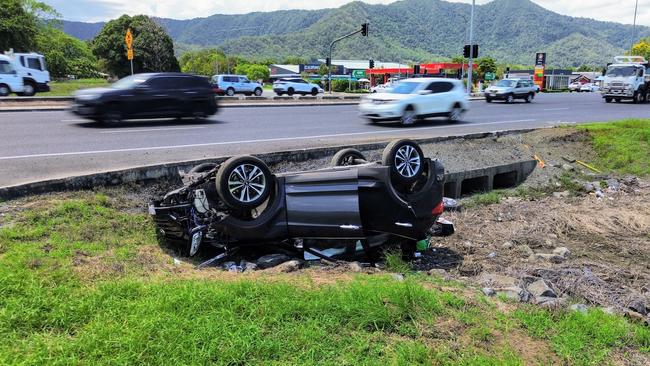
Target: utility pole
471 50
363 31
636 7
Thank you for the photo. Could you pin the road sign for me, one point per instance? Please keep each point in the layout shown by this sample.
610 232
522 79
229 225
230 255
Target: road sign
490 76
359 74
128 38
129 53
540 59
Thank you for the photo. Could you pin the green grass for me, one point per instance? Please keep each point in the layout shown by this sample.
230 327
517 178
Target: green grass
584 339
622 146
84 282
68 87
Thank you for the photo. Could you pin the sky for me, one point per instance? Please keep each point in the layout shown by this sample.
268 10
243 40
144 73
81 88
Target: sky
621 11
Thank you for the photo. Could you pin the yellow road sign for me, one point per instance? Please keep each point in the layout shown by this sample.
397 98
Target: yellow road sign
129 53
128 38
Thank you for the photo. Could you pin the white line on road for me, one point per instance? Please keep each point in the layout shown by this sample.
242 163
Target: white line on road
152 129
249 141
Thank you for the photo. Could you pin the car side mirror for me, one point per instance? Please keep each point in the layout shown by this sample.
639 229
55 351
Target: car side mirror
425 92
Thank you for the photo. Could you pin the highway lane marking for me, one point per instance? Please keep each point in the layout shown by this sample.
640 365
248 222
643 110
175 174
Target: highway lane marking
249 141
153 129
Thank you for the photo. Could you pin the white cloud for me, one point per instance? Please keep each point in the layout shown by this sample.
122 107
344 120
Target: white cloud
621 11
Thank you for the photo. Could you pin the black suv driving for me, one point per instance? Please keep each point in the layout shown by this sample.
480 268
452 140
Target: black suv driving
155 95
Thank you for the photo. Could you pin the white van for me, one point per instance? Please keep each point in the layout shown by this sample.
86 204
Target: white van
10 79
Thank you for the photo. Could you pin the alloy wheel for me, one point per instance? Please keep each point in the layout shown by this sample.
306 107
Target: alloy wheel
246 183
409 117
455 114
407 161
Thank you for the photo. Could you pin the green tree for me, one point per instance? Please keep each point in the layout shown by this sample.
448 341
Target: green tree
153 48
642 48
66 55
203 62
18 27
485 65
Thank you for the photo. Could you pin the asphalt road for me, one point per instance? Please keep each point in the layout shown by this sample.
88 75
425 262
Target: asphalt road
45 145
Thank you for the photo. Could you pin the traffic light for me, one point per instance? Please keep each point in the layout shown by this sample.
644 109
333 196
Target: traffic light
416 69
371 63
328 62
466 51
364 29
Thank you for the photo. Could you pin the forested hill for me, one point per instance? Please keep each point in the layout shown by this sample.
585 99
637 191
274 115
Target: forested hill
419 30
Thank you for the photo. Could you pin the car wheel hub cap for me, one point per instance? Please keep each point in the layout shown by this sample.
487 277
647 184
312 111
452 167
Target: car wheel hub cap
455 114
246 183
408 117
407 161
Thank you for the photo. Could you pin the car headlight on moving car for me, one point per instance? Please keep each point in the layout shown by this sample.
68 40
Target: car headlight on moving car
87 97
381 101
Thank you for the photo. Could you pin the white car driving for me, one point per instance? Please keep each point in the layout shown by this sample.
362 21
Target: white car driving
296 86
414 99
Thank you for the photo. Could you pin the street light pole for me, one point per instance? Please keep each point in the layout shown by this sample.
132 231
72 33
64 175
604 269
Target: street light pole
471 50
636 7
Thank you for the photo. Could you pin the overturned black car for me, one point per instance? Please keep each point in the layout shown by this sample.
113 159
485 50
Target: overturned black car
240 203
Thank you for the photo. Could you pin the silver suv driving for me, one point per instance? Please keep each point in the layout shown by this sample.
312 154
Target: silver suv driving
511 89
235 84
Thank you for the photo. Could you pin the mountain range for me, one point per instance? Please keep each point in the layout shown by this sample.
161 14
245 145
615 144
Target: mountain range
511 31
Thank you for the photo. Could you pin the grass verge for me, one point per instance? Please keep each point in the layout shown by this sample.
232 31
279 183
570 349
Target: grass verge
68 87
83 281
622 146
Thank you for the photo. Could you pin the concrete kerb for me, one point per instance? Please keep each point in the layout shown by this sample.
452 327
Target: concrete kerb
154 173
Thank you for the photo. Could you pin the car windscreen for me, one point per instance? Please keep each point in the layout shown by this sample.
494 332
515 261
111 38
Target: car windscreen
128 82
405 88
621 71
506 83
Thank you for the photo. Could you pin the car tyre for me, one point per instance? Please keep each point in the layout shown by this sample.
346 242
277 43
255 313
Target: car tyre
4 90
456 113
408 116
279 94
112 115
290 91
230 92
510 98
347 157
608 100
314 92
488 99
202 168
244 182
405 159
258 92
529 97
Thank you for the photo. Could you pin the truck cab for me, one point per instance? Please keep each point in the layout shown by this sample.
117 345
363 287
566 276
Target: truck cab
627 78
10 79
32 68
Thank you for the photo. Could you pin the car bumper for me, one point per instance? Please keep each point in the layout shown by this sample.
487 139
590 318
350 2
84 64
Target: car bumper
618 93
380 111
85 109
42 87
496 95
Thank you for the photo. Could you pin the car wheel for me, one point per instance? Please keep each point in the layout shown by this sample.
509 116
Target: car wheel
314 92
456 113
529 98
279 94
489 100
112 115
608 100
230 92
29 89
617 100
290 91
510 98
347 157
408 117
244 182
405 159
258 92
4 90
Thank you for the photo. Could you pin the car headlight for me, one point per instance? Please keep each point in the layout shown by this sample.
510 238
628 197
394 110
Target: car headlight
87 97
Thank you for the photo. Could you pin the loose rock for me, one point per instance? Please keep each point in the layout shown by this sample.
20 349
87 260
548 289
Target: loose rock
355 267
638 306
398 276
581 308
488 291
507 245
289 266
562 251
563 194
554 258
539 289
567 167
499 280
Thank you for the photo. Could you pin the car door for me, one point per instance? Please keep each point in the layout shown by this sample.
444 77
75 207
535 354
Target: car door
160 97
439 101
244 85
520 88
9 76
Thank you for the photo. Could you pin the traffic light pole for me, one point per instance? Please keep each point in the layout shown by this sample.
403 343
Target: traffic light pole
471 50
329 67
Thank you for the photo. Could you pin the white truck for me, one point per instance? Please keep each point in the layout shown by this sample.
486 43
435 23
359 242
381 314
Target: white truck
627 78
33 71
10 79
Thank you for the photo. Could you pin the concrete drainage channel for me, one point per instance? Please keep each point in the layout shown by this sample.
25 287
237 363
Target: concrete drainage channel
457 183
